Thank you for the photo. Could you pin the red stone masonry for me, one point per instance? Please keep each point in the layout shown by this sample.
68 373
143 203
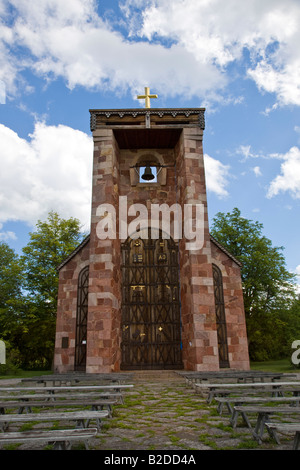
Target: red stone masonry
103 337
234 307
199 335
67 308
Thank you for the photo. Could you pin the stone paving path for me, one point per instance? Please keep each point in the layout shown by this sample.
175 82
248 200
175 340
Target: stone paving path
162 412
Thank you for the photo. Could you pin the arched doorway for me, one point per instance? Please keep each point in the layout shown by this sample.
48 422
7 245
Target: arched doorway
151 328
81 319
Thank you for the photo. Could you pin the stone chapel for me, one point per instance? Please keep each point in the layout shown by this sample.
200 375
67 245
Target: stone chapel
139 298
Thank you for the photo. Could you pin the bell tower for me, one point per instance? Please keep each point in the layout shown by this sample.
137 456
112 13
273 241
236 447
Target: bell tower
171 141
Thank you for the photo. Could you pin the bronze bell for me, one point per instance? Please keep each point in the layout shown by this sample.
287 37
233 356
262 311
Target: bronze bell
148 175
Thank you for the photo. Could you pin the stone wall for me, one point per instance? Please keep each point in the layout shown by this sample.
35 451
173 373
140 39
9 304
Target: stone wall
199 336
64 357
103 338
234 309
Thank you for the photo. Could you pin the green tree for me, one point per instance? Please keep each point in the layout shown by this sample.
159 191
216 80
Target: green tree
267 285
52 241
11 282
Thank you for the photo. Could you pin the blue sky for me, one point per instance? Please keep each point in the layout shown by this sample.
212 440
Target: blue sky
239 60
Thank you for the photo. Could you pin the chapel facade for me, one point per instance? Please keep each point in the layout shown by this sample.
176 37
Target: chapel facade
138 293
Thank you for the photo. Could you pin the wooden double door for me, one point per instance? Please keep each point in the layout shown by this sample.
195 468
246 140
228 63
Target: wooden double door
151 327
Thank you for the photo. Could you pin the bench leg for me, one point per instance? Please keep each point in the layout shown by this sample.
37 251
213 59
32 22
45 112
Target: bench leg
210 397
233 419
22 408
101 407
246 420
220 408
81 423
273 434
4 426
296 441
259 428
229 407
62 445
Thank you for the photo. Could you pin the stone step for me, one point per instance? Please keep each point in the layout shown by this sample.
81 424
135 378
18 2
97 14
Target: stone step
155 376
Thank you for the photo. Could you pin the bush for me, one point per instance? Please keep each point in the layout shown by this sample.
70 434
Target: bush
9 368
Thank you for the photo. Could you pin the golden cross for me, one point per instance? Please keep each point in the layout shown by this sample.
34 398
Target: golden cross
146 97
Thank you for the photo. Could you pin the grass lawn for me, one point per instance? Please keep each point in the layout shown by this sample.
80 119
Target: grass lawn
281 365
26 373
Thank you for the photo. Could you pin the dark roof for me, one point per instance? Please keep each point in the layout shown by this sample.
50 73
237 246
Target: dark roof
82 244
136 117
212 239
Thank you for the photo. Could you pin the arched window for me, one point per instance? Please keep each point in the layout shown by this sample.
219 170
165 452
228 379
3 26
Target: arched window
81 319
220 317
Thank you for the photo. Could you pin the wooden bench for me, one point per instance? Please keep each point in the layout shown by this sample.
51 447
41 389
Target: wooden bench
77 377
263 417
212 389
28 405
238 376
61 438
72 388
230 402
58 396
82 418
265 391
293 428
81 388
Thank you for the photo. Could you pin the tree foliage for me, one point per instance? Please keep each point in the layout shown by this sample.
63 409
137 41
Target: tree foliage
11 282
28 298
268 287
53 240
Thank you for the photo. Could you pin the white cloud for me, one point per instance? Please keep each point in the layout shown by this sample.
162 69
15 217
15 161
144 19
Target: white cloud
193 42
51 171
257 171
217 32
70 40
2 92
289 179
283 82
216 175
247 152
8 235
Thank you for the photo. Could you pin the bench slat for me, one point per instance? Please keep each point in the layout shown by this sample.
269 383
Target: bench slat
95 404
245 399
84 388
44 396
79 416
60 435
